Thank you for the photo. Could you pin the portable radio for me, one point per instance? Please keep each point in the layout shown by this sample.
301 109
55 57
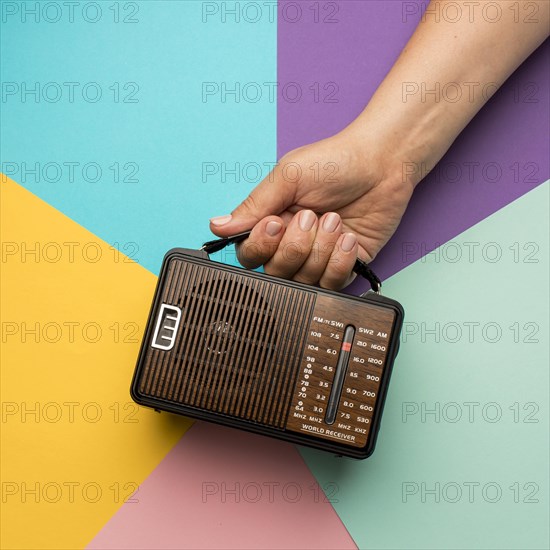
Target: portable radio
267 355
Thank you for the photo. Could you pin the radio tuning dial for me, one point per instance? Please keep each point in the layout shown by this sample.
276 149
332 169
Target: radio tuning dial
339 375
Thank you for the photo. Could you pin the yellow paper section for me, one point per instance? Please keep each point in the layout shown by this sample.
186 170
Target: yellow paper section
74 445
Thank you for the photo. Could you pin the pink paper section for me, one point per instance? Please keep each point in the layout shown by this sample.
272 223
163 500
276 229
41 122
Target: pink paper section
223 488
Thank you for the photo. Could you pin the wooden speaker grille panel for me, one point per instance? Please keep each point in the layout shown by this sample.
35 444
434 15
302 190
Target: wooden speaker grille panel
238 344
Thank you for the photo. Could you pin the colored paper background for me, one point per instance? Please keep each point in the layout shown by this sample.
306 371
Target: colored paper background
183 129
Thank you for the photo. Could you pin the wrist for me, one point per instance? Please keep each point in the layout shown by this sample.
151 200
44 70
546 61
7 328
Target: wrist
402 145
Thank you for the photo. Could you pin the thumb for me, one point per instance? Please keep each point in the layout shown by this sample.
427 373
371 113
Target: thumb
271 197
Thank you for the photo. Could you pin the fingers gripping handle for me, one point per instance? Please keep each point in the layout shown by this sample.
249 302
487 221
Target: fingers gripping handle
361 267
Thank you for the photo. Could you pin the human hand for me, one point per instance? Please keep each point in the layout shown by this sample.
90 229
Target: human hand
327 203
323 205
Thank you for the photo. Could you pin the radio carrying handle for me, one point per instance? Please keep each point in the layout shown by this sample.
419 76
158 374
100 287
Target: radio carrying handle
361 267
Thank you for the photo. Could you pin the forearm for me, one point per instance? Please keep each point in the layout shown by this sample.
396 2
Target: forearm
445 74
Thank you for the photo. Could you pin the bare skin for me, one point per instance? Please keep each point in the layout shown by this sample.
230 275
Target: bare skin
326 203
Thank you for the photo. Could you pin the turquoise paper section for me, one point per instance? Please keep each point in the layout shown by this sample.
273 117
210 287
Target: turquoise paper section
463 453
161 122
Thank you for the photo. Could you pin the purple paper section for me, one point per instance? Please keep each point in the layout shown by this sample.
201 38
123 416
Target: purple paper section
500 156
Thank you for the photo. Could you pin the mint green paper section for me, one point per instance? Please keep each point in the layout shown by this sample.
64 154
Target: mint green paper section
383 501
151 68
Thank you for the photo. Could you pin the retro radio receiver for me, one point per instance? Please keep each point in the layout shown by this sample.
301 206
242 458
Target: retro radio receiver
267 355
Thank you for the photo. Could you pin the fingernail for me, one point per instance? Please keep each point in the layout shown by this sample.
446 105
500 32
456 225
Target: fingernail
307 219
348 242
221 220
331 222
273 228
